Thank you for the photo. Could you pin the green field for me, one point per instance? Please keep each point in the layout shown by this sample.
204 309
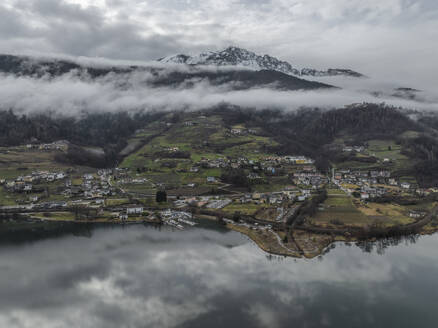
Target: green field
248 209
385 149
339 208
6 199
380 149
340 211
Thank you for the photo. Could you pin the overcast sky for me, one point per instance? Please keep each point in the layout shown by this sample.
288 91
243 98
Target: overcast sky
382 38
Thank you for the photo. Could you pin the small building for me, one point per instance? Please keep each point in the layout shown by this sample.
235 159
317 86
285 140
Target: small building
252 176
256 196
237 131
27 187
134 210
211 179
364 195
405 185
60 176
88 176
416 214
392 182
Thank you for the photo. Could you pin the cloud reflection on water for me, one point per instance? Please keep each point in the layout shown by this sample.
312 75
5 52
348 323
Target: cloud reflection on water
139 277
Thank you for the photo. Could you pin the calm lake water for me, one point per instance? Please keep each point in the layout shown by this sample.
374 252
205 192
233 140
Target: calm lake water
140 276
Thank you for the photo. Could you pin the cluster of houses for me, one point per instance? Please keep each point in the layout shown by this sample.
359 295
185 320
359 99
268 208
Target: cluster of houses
355 149
295 160
210 202
211 163
278 197
60 145
129 211
242 131
219 203
291 193
309 177
92 187
370 192
176 218
131 180
357 177
269 165
26 183
374 184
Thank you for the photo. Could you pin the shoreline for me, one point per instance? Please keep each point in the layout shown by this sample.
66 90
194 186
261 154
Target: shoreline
300 243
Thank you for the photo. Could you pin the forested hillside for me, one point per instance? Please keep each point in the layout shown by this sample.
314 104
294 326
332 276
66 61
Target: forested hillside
311 132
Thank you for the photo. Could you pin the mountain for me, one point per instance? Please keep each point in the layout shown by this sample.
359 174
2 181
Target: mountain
407 93
330 72
37 67
234 79
234 56
239 80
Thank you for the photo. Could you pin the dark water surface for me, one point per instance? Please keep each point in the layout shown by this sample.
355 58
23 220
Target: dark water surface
139 276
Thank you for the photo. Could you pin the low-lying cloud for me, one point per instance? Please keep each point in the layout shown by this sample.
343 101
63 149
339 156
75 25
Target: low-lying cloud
72 94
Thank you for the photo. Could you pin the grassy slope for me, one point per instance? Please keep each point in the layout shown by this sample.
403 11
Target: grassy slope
208 138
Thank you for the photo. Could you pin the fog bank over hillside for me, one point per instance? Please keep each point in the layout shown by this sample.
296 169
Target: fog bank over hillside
74 93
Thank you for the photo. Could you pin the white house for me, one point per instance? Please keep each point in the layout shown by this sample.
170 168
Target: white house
60 176
416 215
405 185
28 187
134 210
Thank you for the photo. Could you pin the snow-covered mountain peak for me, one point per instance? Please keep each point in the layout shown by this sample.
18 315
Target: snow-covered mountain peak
235 56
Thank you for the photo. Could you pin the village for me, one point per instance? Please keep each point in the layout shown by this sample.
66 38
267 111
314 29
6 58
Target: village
231 178
103 190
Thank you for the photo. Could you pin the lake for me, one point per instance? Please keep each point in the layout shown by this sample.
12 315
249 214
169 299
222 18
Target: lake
142 276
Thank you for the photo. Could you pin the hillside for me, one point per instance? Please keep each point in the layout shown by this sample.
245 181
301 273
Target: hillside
240 80
320 135
184 153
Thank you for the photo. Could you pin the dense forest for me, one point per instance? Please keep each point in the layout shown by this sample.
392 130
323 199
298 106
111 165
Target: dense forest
109 131
310 131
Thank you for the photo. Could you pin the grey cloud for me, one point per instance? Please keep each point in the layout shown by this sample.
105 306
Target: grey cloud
68 28
388 40
357 34
12 25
